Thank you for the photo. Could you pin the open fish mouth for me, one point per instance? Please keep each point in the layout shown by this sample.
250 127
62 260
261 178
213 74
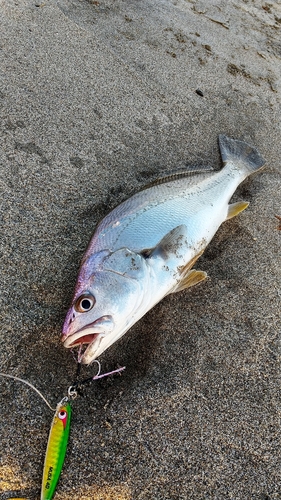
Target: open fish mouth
84 339
90 334
87 342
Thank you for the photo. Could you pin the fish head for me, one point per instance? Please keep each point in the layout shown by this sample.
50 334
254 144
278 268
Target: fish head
110 292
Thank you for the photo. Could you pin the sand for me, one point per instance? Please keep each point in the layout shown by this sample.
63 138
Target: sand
97 98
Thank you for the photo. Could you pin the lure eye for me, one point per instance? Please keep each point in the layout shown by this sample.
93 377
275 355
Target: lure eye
85 303
63 416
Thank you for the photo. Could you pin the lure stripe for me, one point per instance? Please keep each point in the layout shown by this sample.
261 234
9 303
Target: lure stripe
56 450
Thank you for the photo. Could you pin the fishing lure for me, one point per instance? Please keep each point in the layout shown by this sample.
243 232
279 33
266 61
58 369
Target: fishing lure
58 438
56 449
59 432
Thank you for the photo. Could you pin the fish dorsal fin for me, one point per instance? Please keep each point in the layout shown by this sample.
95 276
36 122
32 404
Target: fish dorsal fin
190 279
179 174
170 244
235 209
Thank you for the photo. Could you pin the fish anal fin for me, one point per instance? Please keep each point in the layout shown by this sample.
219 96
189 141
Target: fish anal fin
235 209
192 278
185 269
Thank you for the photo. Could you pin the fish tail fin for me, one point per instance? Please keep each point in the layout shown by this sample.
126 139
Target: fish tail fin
244 156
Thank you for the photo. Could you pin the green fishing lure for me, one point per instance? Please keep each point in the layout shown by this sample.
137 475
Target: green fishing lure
59 432
56 450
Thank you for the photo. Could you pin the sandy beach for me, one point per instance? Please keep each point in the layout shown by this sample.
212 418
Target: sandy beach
97 98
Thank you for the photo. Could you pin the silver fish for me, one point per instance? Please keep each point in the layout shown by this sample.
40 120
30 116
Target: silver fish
145 248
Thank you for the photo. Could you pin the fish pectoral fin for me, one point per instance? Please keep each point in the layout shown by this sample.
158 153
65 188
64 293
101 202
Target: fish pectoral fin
235 209
170 244
192 278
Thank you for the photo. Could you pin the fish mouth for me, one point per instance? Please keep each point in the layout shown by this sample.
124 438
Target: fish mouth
88 344
91 334
89 338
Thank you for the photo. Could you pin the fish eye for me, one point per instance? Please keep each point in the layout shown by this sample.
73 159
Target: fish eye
62 414
85 303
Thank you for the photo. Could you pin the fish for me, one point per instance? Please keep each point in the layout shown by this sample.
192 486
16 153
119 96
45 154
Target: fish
56 450
146 247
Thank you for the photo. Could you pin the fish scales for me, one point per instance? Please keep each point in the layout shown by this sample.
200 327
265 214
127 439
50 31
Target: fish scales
166 205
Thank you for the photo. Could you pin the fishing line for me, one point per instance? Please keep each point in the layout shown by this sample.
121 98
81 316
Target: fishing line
72 389
30 385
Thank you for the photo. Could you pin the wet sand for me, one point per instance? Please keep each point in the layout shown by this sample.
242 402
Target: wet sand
97 98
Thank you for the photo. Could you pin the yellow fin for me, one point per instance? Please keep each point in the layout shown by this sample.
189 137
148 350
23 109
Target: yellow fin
190 279
235 209
185 269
